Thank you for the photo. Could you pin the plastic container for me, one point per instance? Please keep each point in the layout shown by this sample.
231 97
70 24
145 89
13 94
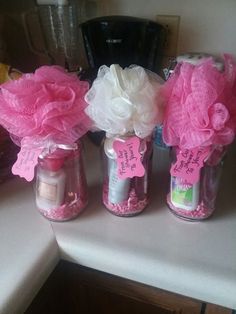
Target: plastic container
61 188
126 197
58 21
197 201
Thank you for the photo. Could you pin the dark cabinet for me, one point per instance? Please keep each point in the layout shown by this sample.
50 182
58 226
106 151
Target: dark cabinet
74 289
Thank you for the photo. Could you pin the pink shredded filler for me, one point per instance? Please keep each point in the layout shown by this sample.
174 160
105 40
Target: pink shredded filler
46 106
65 212
200 213
133 206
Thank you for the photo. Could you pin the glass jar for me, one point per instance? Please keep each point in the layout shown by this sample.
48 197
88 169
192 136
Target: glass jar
129 196
197 201
61 187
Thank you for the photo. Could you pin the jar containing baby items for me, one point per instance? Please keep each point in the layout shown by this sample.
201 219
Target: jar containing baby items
61 188
127 105
44 112
199 125
127 164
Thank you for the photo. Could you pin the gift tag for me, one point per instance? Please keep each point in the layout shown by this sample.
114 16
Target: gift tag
189 163
27 159
129 158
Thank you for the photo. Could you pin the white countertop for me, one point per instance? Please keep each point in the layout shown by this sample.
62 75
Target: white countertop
155 248
28 249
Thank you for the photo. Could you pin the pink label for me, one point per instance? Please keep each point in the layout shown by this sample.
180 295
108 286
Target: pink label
27 159
129 158
188 164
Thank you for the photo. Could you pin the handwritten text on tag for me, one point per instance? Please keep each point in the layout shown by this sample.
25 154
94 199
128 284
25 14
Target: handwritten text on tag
188 164
129 158
27 159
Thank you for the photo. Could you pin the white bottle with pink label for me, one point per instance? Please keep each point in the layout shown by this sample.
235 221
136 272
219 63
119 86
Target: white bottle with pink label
61 187
51 188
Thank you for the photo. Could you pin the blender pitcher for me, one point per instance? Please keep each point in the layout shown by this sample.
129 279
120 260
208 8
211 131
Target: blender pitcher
58 20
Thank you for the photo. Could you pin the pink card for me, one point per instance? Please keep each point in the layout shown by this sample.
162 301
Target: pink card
27 159
129 158
188 164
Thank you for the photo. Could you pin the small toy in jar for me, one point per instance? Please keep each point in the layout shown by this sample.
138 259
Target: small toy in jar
126 104
199 124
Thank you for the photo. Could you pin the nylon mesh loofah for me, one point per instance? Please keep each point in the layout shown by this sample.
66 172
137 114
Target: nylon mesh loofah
201 105
45 107
125 101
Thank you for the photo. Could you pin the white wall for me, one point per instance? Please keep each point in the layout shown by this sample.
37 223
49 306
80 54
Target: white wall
206 25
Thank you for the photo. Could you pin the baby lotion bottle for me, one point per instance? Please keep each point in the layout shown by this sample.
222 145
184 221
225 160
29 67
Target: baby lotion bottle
50 185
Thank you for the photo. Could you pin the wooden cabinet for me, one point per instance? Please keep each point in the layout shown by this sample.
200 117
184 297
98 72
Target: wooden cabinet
215 309
76 289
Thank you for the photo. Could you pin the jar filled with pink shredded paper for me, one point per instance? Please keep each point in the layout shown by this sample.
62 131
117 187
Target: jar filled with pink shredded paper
126 197
196 201
61 187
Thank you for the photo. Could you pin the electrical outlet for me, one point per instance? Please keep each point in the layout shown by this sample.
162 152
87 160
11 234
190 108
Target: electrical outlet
171 23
